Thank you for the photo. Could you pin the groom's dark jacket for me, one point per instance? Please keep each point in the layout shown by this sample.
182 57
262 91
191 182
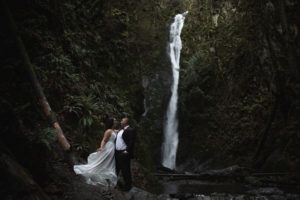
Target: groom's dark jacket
129 138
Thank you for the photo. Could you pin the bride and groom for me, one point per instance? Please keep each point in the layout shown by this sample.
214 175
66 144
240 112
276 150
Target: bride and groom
113 156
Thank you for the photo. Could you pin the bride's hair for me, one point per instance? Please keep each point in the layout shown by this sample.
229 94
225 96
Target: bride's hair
109 122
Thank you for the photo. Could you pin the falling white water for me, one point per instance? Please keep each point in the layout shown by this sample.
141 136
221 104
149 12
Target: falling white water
170 143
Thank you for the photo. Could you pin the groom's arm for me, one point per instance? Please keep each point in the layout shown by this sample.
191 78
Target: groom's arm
130 140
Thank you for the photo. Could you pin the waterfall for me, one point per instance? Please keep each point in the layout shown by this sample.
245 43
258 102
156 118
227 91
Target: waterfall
170 143
145 84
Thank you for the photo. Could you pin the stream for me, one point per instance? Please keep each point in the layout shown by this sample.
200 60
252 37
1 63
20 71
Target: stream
196 189
202 187
204 190
231 183
208 190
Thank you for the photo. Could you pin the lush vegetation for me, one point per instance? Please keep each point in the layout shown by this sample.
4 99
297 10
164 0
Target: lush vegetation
88 66
239 84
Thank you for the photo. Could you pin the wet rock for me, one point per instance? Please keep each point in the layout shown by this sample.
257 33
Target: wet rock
184 196
277 197
240 197
139 194
136 193
271 193
231 173
165 197
293 196
232 170
252 180
195 165
266 191
223 196
202 197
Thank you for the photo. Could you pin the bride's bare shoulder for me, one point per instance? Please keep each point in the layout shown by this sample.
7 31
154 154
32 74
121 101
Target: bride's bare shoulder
108 131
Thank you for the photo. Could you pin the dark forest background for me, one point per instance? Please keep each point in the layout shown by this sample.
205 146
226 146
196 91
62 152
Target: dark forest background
239 80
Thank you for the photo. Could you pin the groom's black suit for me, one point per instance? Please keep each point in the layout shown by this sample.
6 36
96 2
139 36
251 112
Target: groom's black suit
129 139
123 160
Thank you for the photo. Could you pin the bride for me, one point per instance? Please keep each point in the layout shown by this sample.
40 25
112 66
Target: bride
101 168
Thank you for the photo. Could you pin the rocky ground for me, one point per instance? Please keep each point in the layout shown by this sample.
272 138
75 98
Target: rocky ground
63 184
67 185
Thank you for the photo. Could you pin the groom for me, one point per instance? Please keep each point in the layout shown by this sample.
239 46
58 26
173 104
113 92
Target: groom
124 152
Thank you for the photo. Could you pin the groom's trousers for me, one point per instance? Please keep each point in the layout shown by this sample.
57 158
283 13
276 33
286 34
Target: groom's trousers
123 165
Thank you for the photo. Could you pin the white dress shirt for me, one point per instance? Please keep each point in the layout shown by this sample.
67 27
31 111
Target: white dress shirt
120 144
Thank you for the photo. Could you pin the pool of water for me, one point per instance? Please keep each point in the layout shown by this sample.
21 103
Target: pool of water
201 187
203 190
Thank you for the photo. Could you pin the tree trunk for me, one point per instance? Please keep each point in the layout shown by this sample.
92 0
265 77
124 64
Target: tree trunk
34 81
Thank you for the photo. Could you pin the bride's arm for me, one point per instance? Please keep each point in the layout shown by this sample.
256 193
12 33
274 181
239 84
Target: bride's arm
105 139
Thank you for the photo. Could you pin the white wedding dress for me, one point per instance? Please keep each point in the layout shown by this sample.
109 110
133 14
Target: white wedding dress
101 167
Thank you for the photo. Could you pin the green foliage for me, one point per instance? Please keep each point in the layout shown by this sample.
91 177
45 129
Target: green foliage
231 75
80 143
90 57
47 137
84 107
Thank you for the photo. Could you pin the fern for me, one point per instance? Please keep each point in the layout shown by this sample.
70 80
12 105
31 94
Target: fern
47 137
